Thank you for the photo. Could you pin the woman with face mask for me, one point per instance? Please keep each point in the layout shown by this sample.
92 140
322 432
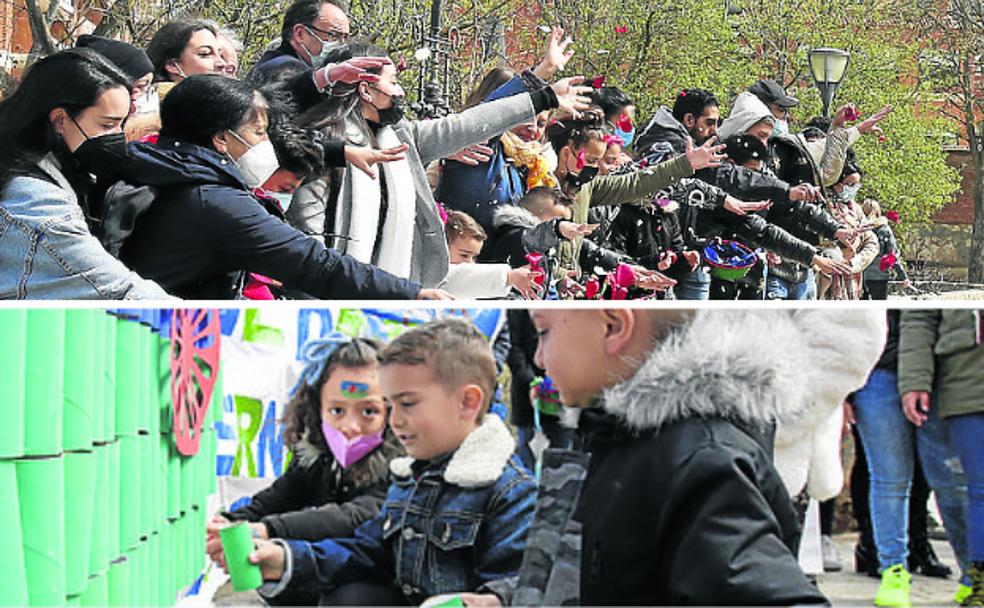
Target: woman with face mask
58 131
205 228
862 251
391 219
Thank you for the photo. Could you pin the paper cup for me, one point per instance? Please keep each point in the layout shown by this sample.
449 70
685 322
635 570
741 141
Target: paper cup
99 543
80 488
44 383
130 492
41 498
97 353
109 378
14 590
13 328
119 582
113 501
128 377
237 543
79 380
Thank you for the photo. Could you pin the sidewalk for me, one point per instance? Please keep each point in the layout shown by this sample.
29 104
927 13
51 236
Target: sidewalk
849 589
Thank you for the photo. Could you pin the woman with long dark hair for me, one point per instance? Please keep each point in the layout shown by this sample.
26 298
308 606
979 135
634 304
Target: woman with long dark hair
61 127
205 227
393 221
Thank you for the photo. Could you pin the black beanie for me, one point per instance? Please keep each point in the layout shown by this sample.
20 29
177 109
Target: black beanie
132 61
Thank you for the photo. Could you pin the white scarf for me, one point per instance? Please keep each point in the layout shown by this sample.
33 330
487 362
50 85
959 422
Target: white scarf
357 217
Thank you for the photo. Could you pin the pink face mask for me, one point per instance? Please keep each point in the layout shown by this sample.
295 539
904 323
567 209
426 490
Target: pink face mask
349 452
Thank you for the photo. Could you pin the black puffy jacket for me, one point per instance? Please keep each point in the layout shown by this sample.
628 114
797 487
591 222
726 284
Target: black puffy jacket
205 227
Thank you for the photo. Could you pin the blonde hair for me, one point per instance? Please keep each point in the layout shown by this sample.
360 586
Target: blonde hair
453 349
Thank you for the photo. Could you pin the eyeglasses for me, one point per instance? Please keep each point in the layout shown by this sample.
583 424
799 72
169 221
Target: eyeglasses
330 35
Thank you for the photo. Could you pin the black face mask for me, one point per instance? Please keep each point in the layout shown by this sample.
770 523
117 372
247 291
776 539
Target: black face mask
394 113
101 156
586 175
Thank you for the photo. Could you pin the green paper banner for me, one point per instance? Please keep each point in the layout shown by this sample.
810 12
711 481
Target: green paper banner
41 494
14 590
13 328
44 383
80 481
79 380
237 543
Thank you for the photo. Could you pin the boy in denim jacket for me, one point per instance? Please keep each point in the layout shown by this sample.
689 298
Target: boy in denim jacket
459 506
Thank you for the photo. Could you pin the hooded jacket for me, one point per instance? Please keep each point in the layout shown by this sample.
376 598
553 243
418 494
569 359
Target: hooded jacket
674 499
205 227
747 112
662 127
316 498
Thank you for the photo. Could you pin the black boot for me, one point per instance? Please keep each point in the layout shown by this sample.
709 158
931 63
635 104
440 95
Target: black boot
923 560
866 557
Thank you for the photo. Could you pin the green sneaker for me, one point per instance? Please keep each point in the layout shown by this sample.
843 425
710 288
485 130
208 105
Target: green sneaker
963 592
894 588
975 597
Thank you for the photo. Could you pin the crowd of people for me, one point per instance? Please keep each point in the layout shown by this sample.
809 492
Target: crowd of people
653 464
158 172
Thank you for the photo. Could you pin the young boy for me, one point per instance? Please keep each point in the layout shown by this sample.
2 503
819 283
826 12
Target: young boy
458 510
466 279
680 504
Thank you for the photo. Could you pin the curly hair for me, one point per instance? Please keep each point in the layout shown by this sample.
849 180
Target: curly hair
302 416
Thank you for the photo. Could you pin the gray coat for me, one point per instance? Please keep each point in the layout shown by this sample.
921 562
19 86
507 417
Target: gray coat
429 140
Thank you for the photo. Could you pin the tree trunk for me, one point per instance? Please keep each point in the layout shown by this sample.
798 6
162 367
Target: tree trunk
976 262
42 43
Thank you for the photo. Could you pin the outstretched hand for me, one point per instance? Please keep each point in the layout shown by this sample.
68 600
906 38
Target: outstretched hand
708 155
557 55
571 97
363 157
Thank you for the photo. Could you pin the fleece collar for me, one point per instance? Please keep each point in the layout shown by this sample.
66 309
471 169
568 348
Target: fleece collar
752 366
480 459
514 215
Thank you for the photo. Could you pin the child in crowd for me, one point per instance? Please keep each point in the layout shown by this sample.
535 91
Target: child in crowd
466 279
671 496
458 510
335 425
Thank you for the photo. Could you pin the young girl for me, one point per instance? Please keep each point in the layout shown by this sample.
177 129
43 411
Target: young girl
335 425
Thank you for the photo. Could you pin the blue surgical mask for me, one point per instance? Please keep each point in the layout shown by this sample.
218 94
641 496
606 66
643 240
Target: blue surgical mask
849 193
781 128
625 136
326 49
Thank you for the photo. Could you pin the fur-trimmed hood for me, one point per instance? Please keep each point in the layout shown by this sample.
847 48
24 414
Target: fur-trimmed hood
513 215
478 462
752 366
367 471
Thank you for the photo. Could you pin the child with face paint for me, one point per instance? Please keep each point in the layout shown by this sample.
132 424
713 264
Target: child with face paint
335 425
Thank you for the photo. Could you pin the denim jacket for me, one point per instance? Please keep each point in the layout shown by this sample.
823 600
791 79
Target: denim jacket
47 251
446 526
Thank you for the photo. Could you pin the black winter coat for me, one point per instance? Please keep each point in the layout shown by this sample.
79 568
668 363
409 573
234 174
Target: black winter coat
205 227
316 499
645 234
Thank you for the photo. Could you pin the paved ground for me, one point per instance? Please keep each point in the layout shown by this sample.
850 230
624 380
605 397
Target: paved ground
844 588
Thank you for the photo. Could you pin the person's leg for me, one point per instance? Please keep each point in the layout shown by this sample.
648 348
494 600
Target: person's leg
945 476
922 557
877 290
865 555
776 289
879 415
831 557
363 594
967 432
694 286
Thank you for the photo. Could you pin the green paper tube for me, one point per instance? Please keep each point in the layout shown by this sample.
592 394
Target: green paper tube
173 480
79 379
147 483
14 590
128 377
44 383
164 384
168 592
143 378
99 543
74 601
187 481
119 582
237 543
13 328
40 488
153 383
109 378
130 492
97 593
113 501
80 483
213 477
97 352
154 568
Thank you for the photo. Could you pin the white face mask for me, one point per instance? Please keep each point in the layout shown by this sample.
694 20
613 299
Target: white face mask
258 163
849 193
283 199
148 103
326 48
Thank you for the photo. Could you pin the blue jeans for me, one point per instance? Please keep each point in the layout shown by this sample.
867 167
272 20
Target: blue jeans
780 289
889 440
966 432
694 286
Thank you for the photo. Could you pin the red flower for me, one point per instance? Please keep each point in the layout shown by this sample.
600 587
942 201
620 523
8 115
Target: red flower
401 64
887 261
624 276
598 82
852 113
591 288
624 123
621 29
893 216
882 139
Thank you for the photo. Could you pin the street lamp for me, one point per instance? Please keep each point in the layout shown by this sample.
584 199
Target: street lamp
828 67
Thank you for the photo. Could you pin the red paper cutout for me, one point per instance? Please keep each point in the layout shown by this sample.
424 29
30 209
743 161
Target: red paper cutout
195 335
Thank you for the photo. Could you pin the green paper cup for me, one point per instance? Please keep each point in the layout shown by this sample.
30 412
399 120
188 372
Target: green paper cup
146 483
143 411
153 383
164 383
109 378
40 488
113 501
128 377
154 568
130 492
80 485
79 380
97 353
237 543
187 483
74 600
119 582
97 593
44 383
14 590
13 328
99 543
173 479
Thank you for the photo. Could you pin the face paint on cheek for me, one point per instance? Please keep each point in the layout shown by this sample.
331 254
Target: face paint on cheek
355 390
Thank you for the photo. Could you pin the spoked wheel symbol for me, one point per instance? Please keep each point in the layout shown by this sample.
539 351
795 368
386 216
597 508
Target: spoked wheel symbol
195 335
